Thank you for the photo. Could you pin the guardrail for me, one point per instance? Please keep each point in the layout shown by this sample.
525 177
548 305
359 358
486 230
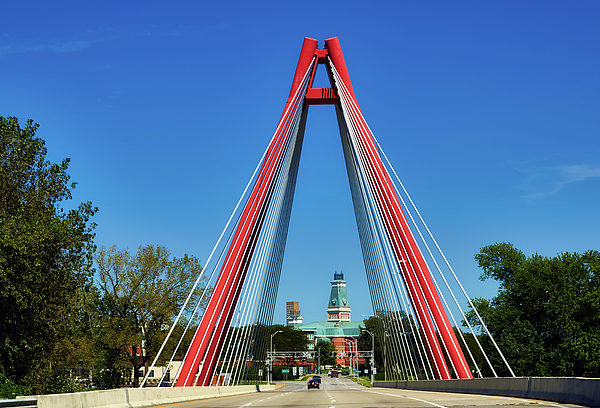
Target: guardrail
21 403
140 397
575 390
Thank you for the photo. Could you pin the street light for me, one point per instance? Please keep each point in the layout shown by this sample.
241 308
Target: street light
272 359
385 334
351 343
372 354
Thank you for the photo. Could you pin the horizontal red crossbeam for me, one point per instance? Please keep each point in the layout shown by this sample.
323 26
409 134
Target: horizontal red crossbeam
321 96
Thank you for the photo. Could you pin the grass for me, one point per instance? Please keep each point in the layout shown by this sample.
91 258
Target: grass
364 381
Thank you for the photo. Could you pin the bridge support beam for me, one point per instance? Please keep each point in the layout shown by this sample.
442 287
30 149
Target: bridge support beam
203 353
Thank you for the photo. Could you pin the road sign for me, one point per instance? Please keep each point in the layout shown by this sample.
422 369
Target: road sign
285 370
294 370
260 373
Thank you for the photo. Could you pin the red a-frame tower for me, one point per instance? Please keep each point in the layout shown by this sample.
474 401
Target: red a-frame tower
373 195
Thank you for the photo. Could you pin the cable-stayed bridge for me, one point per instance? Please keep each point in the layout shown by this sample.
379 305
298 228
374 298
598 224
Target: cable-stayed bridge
413 288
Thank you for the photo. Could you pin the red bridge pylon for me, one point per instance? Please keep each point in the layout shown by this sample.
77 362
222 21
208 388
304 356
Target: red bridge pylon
372 191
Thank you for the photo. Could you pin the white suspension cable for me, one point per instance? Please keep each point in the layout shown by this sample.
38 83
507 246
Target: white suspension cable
201 274
295 105
403 340
453 274
342 94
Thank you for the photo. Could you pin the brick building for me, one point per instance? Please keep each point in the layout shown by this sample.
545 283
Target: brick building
338 329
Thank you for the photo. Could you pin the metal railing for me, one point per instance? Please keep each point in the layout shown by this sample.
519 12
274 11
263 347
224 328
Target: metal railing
19 402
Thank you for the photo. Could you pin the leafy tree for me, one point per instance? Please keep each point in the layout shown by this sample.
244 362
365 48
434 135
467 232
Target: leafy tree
141 295
327 349
365 340
10 390
546 316
45 258
291 339
393 336
473 348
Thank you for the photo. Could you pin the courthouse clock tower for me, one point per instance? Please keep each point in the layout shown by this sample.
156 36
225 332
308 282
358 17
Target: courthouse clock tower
338 309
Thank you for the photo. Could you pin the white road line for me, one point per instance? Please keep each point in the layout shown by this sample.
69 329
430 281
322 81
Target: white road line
537 402
468 398
261 400
412 398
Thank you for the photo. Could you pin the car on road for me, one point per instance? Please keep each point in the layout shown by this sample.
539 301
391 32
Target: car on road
333 374
317 378
345 373
312 383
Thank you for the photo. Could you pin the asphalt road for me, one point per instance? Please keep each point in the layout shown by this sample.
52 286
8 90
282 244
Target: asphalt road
342 392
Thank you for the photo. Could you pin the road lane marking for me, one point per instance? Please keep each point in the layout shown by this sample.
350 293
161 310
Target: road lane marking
412 398
479 395
397 396
538 402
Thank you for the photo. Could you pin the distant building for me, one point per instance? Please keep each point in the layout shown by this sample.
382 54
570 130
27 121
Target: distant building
292 314
338 329
338 309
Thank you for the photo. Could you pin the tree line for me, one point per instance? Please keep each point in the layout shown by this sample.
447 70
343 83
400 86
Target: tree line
71 311
545 317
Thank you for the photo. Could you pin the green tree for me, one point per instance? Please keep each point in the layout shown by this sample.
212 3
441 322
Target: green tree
393 332
45 258
371 325
473 347
326 349
546 316
291 339
9 389
141 296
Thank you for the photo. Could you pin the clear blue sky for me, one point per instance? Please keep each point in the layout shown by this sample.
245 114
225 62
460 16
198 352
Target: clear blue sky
489 111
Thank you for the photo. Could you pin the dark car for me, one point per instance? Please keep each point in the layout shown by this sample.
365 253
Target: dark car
333 374
345 373
313 384
317 378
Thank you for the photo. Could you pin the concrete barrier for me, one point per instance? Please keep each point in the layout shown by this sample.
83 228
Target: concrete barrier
582 391
141 397
576 390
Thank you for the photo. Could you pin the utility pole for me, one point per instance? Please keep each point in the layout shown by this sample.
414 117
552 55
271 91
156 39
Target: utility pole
270 376
319 362
372 355
385 336
349 343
